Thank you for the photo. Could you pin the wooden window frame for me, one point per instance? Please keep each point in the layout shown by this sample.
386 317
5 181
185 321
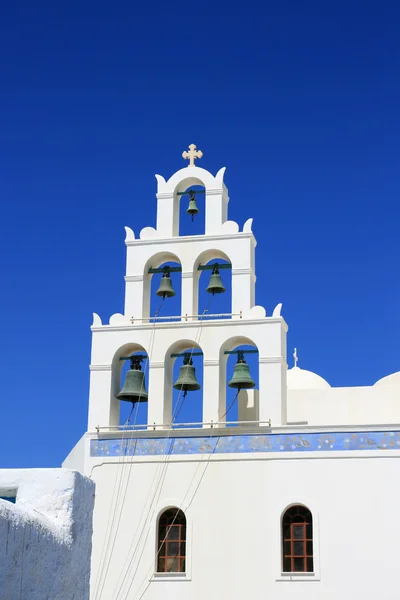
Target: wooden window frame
297 516
172 519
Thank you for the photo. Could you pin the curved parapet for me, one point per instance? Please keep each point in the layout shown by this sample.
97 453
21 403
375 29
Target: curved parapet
119 319
247 227
390 380
220 176
277 310
130 235
148 233
96 320
229 227
256 312
160 180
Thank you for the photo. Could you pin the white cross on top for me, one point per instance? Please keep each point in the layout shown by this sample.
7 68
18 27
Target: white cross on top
192 154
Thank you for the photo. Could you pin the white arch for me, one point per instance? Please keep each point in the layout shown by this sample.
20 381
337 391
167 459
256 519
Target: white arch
116 368
191 174
175 348
168 199
203 259
229 345
154 262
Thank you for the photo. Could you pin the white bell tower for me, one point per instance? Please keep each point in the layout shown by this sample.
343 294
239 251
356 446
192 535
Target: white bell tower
162 470
135 331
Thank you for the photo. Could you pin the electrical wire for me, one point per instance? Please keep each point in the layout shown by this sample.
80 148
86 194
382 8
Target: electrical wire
122 454
208 457
174 418
230 406
163 465
118 482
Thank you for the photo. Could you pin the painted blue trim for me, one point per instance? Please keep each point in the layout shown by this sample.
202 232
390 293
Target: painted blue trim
11 499
244 444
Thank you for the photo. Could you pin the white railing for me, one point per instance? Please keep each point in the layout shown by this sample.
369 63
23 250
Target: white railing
175 426
184 317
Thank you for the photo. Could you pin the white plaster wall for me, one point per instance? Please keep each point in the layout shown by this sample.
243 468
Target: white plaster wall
233 506
77 457
345 406
45 538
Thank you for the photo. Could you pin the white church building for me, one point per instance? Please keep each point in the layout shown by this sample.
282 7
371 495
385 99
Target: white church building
295 499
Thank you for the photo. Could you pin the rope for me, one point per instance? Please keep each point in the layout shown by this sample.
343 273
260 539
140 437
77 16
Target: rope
208 457
230 406
163 466
197 341
118 482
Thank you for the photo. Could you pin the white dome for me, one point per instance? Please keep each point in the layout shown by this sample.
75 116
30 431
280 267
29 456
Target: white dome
392 379
301 379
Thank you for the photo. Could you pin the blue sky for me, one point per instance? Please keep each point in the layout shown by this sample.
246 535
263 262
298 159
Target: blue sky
299 100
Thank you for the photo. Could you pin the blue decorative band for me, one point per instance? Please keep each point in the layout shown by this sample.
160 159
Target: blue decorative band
242 444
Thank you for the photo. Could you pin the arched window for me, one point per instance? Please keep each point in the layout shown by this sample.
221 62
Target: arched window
297 540
171 556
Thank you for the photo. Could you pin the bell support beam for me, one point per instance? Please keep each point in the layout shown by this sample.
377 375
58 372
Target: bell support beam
175 355
212 267
165 270
191 192
241 351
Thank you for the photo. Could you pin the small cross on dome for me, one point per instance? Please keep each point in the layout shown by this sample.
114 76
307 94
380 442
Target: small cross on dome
192 154
296 358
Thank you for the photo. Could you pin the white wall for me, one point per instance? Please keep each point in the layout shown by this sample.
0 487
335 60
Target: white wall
345 406
45 538
233 507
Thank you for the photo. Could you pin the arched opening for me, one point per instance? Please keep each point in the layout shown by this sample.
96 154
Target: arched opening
239 403
297 540
137 413
186 404
184 224
171 541
192 198
168 268
207 301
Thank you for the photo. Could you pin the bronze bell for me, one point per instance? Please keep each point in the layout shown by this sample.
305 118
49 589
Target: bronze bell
187 376
134 388
215 286
166 290
241 379
192 208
